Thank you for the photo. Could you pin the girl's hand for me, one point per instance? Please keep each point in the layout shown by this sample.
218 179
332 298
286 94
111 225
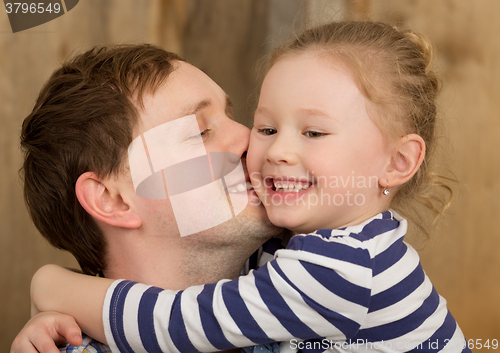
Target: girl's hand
44 331
56 289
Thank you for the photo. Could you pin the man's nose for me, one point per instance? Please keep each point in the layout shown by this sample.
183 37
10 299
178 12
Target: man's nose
237 139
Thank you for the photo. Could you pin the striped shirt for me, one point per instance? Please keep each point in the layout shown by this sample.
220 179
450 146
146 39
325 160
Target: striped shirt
358 288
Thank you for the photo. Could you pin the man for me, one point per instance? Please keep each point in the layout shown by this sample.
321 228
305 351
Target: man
79 185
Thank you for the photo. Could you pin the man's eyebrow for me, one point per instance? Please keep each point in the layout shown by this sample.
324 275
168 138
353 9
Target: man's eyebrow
229 102
193 109
229 107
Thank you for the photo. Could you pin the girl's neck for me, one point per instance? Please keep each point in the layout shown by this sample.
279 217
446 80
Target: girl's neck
348 222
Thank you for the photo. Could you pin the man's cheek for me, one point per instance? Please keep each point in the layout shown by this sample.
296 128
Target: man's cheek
171 160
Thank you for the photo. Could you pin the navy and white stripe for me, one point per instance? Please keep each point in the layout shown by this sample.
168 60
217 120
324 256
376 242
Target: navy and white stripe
361 286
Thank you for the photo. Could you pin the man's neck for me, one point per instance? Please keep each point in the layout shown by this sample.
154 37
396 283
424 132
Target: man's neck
176 263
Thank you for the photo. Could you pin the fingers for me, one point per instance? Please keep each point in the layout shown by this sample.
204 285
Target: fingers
20 345
67 327
45 345
23 345
43 331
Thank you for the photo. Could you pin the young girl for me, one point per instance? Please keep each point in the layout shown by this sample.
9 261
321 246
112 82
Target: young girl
345 116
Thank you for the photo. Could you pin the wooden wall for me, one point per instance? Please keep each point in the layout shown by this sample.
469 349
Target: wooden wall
462 259
224 38
26 61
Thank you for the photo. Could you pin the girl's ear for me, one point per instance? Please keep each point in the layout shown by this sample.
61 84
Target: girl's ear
103 200
407 159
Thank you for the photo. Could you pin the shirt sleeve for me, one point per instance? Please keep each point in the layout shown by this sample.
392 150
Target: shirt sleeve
314 288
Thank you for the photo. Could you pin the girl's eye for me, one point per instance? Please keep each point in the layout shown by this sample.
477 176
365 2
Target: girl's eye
267 131
314 134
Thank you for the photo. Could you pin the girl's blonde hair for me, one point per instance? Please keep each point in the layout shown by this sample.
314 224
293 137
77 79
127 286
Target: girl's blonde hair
392 70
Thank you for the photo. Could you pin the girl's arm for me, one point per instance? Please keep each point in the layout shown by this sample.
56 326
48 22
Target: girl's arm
309 292
54 288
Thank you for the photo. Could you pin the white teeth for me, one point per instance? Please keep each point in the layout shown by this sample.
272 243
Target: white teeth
285 186
240 187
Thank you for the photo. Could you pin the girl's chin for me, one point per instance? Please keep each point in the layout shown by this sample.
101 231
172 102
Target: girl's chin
285 222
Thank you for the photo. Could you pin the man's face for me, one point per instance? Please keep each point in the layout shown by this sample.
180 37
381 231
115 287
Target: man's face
189 91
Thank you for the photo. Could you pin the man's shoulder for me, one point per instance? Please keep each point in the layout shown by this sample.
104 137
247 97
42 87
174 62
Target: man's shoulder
89 345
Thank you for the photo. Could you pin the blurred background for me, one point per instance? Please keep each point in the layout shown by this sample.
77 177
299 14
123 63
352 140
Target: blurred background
225 38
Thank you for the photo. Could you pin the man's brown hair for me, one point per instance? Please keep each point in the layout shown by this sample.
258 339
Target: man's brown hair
83 121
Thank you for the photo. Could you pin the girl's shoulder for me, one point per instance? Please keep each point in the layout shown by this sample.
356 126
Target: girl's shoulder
373 235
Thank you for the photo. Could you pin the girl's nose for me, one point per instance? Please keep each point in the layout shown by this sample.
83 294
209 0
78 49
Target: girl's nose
282 151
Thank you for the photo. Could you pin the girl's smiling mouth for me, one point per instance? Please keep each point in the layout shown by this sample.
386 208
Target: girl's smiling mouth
281 184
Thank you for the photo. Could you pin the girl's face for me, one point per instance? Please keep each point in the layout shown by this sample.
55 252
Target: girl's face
315 156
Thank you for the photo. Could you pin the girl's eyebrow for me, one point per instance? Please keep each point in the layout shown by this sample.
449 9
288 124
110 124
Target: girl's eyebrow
316 113
303 112
261 110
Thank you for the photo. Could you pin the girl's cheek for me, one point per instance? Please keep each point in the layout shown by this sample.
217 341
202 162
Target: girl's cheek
253 155
253 170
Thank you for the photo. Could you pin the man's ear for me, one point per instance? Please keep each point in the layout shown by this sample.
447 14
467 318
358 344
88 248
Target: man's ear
407 159
102 199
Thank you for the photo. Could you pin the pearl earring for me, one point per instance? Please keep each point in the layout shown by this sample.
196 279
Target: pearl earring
386 191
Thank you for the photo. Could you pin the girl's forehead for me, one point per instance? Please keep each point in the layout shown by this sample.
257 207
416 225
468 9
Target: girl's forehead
309 77
315 57
315 66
